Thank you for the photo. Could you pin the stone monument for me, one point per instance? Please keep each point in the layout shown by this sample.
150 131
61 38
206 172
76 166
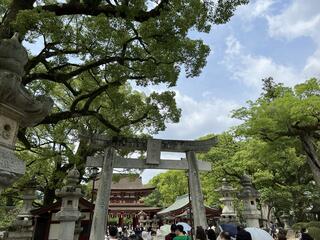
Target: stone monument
229 214
69 213
17 108
23 228
249 196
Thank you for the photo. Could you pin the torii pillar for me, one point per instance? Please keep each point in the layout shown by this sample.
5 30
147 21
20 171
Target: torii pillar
197 202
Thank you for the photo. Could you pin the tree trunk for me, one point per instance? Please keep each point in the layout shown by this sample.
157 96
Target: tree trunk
49 197
312 156
6 30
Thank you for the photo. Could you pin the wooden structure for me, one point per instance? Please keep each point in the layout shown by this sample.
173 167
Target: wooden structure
126 200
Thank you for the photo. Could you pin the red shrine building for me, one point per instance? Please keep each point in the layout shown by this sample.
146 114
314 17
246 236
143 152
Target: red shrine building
126 201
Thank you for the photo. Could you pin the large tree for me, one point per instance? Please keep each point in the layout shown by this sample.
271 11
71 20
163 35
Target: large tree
283 114
113 42
87 55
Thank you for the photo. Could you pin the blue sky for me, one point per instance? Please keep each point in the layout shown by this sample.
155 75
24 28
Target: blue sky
278 38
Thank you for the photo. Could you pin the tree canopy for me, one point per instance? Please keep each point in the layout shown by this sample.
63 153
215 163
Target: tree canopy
90 57
285 114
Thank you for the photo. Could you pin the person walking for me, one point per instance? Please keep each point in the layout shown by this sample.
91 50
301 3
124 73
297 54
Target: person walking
200 234
242 234
224 236
180 234
113 233
171 235
211 234
305 235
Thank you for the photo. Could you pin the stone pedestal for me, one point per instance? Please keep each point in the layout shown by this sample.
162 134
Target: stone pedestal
78 228
229 214
11 168
23 224
69 212
249 196
17 108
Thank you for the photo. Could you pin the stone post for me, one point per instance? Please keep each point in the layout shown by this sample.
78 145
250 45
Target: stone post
142 215
287 228
98 227
285 219
249 195
197 203
17 108
23 224
229 214
69 212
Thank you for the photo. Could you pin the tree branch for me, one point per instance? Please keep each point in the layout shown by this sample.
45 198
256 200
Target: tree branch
108 10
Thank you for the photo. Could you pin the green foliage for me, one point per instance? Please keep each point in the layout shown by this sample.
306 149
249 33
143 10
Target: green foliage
169 186
297 226
314 232
312 227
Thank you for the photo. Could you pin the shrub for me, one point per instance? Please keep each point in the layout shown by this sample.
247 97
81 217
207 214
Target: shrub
299 225
314 232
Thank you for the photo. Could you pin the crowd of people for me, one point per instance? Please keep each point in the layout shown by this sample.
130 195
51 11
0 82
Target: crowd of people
177 232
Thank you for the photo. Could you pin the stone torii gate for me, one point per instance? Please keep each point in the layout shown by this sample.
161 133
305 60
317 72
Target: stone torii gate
154 147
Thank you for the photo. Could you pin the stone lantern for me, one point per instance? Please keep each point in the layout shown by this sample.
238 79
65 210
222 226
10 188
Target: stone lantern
69 212
249 196
17 108
229 214
142 218
23 229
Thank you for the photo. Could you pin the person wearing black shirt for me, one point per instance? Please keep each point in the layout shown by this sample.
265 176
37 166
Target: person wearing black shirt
304 235
242 234
171 235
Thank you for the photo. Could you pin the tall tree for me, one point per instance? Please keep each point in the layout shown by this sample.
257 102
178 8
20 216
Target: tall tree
144 42
88 55
280 172
292 113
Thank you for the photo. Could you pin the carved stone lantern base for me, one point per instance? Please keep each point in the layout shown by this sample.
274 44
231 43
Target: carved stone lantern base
11 168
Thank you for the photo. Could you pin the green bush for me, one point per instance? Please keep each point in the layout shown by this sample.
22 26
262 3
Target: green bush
299 225
315 224
313 228
314 232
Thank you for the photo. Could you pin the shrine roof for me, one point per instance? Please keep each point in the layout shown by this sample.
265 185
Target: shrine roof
181 201
127 182
83 204
181 204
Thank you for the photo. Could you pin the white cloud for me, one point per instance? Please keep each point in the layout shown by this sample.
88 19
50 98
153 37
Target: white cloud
258 8
200 117
301 18
250 69
312 67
